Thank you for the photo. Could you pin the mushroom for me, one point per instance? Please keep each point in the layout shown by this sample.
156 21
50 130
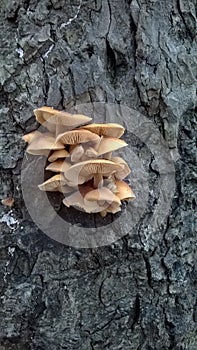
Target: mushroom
57 121
86 170
82 153
108 145
59 166
76 153
77 136
31 136
110 183
113 208
125 171
103 196
41 145
62 153
93 184
76 199
56 183
110 129
123 191
94 201
91 152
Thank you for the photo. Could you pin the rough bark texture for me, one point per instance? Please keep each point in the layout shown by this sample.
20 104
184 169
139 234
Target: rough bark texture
139 292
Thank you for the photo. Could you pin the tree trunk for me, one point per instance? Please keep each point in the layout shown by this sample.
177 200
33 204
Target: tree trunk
137 293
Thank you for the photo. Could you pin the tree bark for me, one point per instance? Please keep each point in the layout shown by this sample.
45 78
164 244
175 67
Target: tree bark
138 293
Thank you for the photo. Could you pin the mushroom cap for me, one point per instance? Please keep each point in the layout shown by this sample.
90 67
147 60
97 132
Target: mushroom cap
62 153
102 194
9 201
76 199
77 136
110 144
125 171
109 129
49 115
31 136
53 184
84 171
43 144
123 191
58 166
113 208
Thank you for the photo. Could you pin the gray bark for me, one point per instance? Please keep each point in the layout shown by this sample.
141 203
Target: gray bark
139 292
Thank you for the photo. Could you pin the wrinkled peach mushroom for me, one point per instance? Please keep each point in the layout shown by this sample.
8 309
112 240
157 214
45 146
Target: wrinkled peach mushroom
123 191
56 183
103 196
76 199
62 153
59 166
31 136
43 144
108 145
57 121
86 170
107 200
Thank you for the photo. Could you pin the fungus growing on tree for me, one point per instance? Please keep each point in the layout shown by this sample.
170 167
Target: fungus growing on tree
87 173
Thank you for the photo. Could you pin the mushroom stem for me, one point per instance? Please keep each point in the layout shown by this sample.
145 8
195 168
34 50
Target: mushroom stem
58 129
77 153
98 180
103 213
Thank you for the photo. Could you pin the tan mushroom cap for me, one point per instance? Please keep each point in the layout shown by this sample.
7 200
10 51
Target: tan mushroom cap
125 171
43 144
77 136
123 191
76 199
31 136
62 153
112 208
58 166
54 184
109 129
110 144
102 194
84 171
47 115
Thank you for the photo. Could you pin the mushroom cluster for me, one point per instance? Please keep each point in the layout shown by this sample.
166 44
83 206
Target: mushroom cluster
80 155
